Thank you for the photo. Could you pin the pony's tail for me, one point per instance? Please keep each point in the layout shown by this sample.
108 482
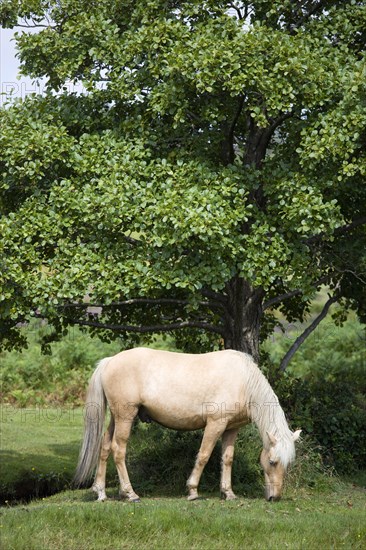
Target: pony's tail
93 427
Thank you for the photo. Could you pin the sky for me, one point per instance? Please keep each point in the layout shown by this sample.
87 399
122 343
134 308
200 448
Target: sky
9 66
11 84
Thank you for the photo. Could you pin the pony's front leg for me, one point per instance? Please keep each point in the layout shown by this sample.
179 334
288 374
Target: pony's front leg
119 445
210 436
99 482
228 442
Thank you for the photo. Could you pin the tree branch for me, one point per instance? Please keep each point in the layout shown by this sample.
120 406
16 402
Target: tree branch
267 134
134 301
349 226
295 346
142 329
216 296
307 15
259 139
231 152
35 26
131 240
281 297
339 230
355 275
237 10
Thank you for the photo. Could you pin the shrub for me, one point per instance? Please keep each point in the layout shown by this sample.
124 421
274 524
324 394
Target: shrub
32 378
323 390
332 410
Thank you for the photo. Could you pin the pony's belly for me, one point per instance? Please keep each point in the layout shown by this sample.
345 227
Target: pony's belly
194 418
176 422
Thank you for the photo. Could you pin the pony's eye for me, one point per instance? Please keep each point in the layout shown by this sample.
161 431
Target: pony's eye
272 462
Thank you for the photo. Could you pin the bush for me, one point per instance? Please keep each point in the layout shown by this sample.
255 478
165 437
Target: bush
323 390
332 410
32 378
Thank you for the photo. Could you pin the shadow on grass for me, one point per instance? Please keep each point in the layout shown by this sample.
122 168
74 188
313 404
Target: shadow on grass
36 475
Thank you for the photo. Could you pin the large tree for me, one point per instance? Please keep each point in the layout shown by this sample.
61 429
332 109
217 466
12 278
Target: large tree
213 168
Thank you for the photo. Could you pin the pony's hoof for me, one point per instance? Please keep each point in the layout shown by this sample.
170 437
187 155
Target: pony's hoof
228 496
134 500
100 492
193 496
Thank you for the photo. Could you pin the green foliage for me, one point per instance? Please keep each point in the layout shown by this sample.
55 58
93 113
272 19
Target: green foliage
214 145
324 391
333 413
32 378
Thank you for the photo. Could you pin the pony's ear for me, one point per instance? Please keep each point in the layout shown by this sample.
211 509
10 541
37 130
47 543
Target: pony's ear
272 439
296 435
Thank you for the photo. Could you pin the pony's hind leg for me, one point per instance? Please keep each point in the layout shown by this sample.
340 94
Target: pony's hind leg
119 443
100 477
228 442
210 436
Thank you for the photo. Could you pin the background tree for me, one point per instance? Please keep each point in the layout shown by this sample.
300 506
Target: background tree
213 169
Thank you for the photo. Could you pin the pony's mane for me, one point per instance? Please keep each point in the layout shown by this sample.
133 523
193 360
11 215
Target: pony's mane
266 412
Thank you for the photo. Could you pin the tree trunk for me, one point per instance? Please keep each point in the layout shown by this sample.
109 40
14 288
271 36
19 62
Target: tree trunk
244 317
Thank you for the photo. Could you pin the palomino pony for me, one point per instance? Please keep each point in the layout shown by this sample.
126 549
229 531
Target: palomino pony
218 391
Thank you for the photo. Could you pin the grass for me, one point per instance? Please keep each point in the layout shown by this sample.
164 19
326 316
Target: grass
303 521
40 447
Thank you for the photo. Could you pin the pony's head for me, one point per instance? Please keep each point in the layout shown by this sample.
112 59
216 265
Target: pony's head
275 459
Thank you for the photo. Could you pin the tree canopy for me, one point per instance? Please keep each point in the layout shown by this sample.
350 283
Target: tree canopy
213 168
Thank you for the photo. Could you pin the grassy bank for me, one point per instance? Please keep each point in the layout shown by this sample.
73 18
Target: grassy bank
39 453
302 521
40 447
